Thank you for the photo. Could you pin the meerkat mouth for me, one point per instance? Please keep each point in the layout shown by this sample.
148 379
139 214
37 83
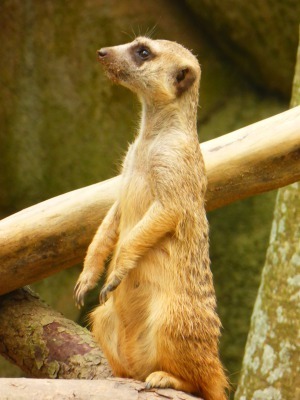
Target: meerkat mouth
114 72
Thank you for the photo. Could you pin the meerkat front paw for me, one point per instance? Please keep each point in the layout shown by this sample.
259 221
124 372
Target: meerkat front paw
112 283
85 282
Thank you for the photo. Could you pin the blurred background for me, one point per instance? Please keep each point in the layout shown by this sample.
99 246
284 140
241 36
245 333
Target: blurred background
64 126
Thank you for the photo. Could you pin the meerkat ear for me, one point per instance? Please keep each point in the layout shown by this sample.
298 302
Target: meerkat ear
184 79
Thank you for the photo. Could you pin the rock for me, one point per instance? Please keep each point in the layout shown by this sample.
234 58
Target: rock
260 36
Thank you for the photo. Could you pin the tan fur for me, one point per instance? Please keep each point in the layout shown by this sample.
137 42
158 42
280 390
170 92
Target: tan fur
159 323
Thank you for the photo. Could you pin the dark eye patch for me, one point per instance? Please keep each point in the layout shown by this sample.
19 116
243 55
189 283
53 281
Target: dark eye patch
141 53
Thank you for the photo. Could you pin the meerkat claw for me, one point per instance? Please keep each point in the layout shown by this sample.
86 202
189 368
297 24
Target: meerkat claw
78 295
110 287
103 295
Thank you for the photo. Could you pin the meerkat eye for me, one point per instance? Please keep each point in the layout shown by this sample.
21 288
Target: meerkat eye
143 53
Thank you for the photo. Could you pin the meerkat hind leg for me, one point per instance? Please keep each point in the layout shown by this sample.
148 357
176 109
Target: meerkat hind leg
105 330
162 379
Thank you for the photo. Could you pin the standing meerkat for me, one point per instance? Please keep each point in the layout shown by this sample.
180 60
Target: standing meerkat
157 317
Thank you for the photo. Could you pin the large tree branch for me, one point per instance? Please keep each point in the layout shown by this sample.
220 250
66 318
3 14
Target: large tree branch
44 344
113 388
53 235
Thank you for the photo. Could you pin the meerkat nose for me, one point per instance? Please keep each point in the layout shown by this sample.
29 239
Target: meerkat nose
102 53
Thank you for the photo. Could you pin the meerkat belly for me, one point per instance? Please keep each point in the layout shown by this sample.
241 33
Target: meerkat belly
140 286
141 304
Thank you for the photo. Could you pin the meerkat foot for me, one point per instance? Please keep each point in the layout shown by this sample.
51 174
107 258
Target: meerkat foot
161 379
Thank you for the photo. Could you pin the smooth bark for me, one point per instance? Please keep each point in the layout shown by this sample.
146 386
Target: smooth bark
53 235
110 389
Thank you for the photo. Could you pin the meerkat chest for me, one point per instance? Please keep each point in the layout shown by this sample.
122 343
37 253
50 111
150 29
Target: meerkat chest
136 195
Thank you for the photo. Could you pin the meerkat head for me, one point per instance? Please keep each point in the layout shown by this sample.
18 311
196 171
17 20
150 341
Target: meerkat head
157 70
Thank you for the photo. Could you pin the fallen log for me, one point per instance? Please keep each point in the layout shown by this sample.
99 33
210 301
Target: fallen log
53 235
44 344
113 388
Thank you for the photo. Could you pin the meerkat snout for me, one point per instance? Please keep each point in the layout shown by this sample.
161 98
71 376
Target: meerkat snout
102 53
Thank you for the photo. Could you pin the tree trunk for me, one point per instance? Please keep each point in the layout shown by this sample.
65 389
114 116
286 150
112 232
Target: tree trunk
44 344
271 368
53 235
110 389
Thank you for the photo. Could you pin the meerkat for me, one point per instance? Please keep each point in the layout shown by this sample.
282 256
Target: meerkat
157 319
